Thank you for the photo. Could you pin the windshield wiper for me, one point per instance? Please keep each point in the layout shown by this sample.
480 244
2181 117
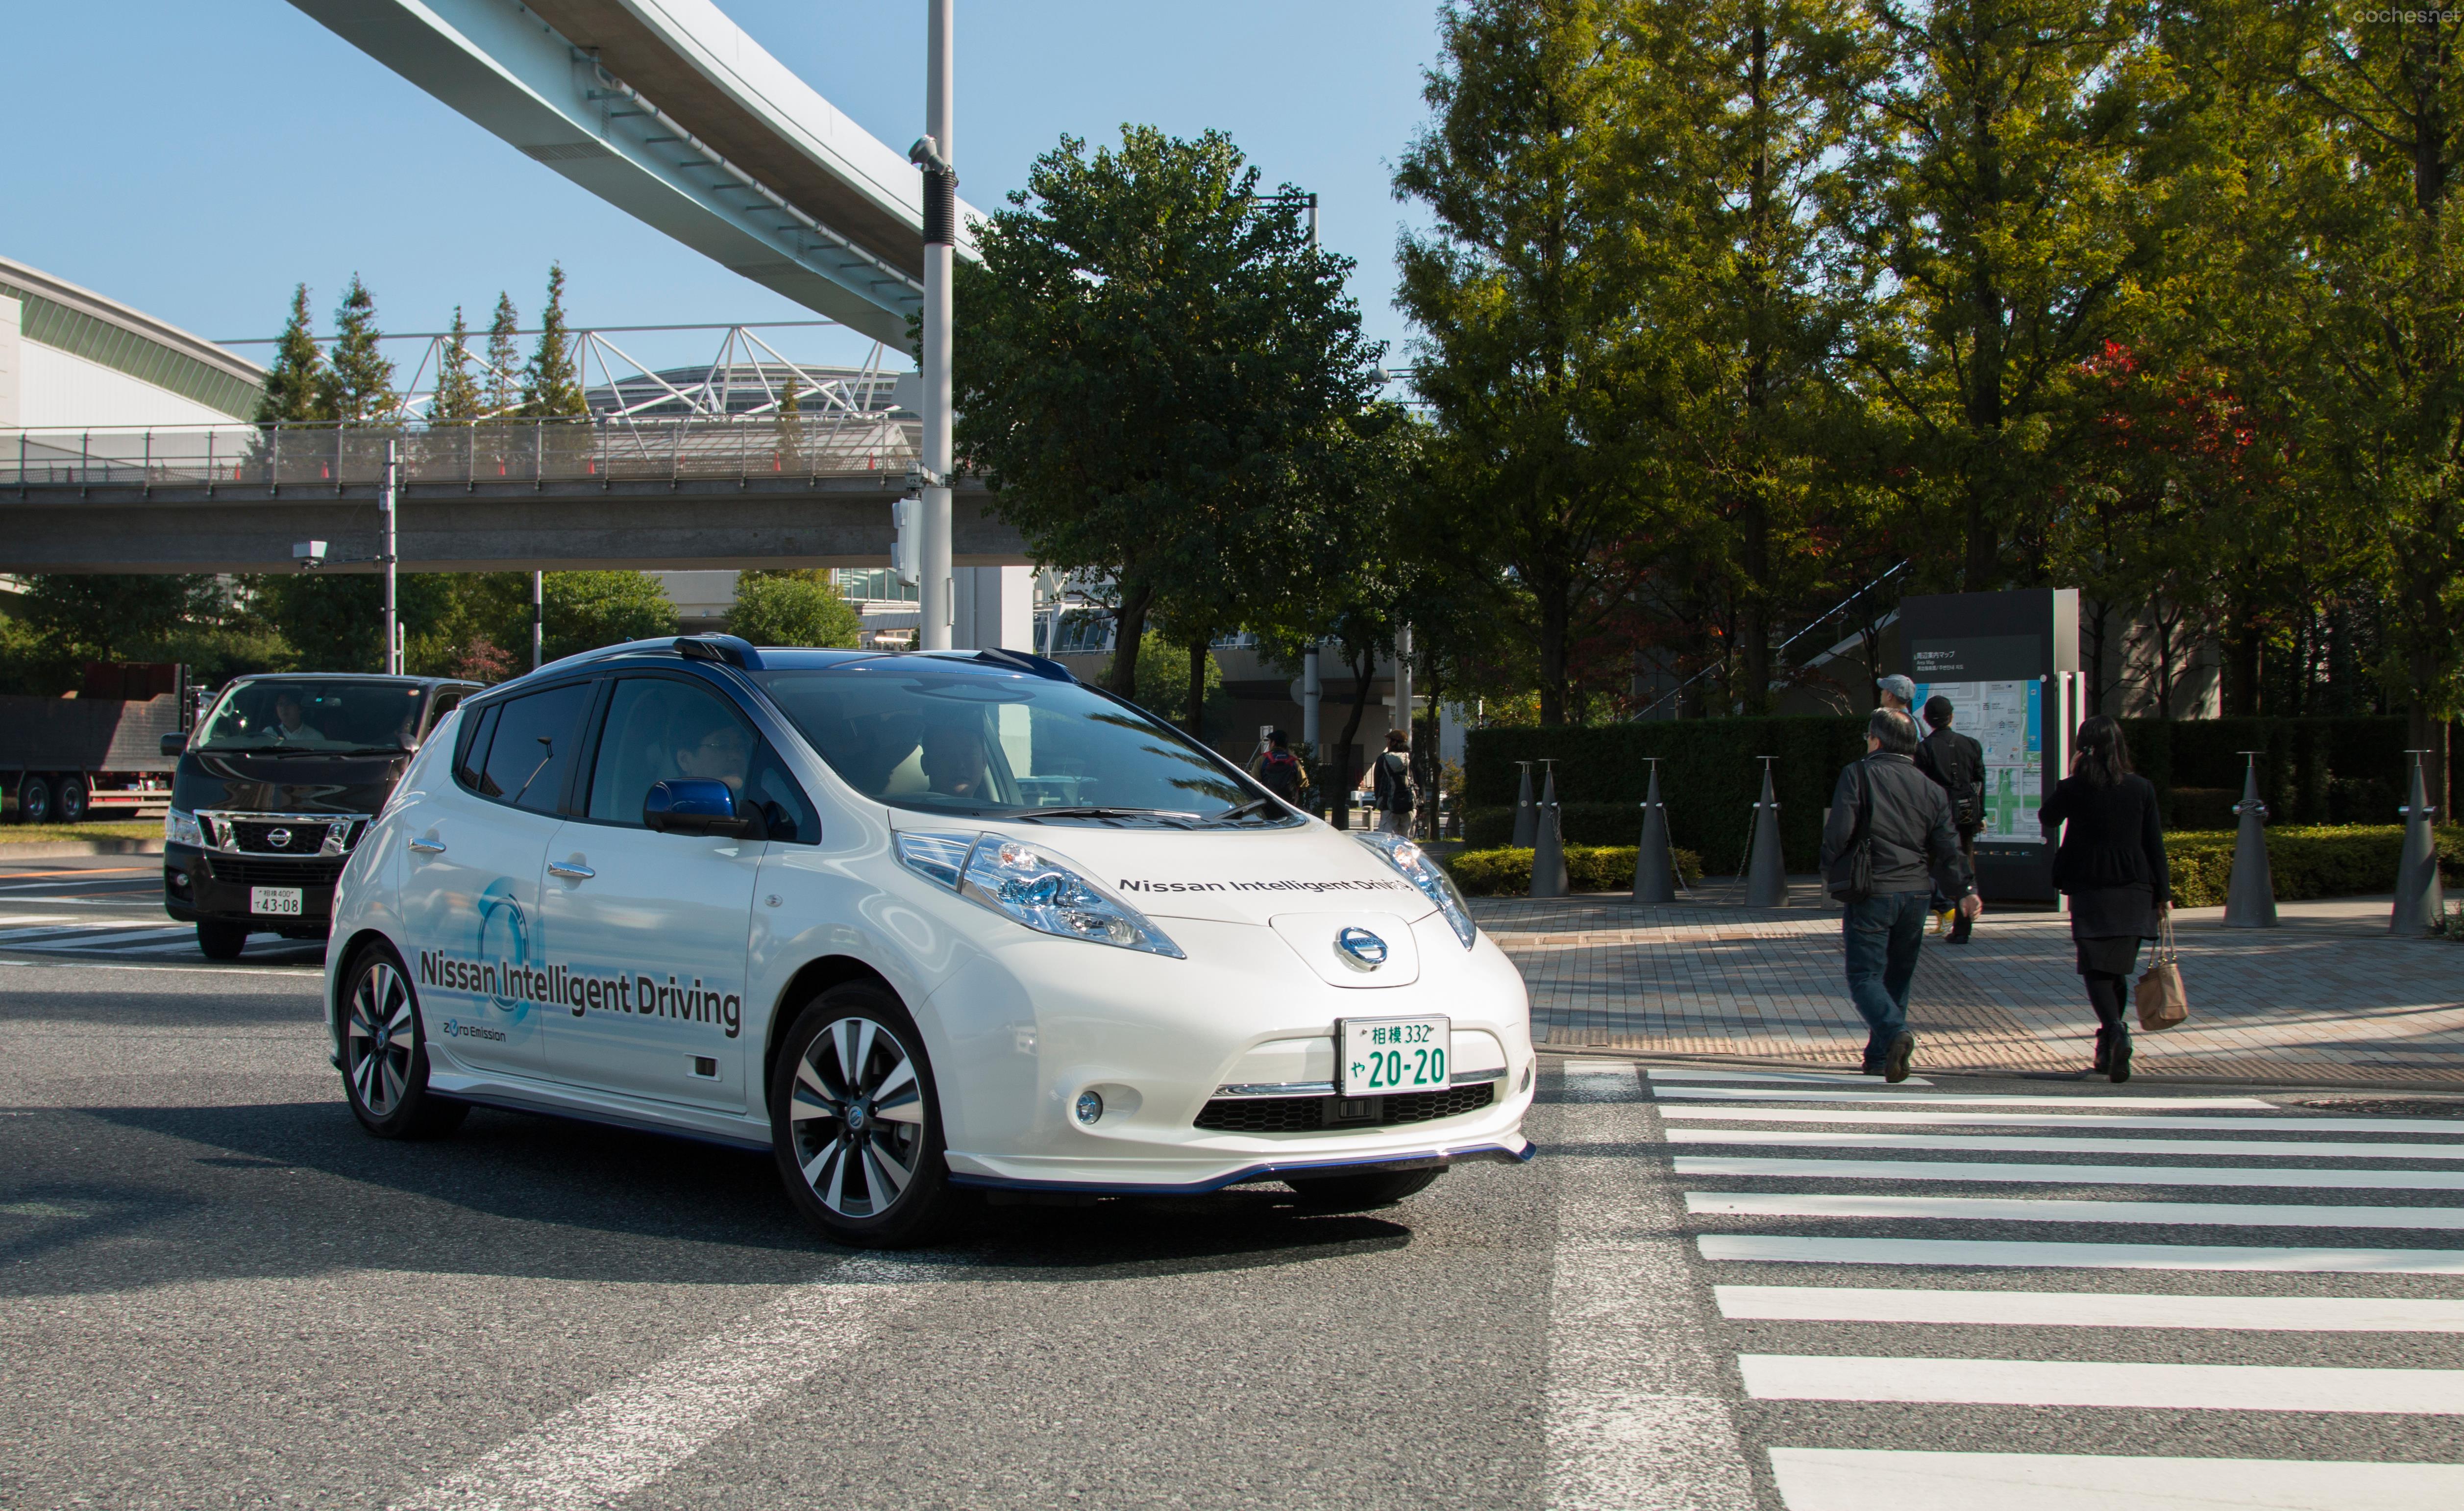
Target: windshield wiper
1149 815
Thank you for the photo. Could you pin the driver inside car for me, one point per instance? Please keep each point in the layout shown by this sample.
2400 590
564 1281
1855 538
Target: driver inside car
954 760
723 753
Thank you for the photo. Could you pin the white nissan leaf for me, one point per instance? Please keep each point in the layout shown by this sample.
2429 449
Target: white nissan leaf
916 923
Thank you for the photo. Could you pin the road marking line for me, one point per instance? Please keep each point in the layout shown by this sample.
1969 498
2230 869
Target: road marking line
628 1435
1851 1304
2064 1381
1639 1413
2023 1208
1900 1479
1879 1096
2218 1148
96 941
2282 1122
2068 1175
1781 1249
1827 1078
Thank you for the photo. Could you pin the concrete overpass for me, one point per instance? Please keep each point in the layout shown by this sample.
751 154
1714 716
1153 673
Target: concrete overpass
667 110
554 496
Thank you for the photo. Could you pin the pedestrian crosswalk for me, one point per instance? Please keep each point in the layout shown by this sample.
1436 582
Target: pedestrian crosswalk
118 938
1919 1292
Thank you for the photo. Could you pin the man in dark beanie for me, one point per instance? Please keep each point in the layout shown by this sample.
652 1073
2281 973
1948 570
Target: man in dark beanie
1956 764
1888 844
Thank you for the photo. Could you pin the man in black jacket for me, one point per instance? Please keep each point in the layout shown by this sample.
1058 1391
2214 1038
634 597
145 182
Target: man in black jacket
1901 821
1956 764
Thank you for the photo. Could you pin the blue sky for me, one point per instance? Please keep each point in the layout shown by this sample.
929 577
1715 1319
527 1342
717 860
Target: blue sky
196 161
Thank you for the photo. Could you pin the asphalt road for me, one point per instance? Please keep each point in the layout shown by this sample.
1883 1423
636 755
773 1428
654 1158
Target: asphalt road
218 1291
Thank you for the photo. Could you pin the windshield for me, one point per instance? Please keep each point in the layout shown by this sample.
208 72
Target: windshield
943 737
326 717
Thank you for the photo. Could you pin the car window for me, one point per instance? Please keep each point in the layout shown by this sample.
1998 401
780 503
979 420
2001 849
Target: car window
531 747
310 715
471 764
786 813
950 738
659 729
447 701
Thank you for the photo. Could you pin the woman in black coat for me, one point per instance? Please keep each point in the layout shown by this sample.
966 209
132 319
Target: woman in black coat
2112 867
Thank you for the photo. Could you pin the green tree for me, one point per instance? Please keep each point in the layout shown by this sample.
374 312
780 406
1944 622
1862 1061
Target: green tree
551 382
1154 369
1163 679
585 610
2010 220
356 385
294 384
335 620
1536 355
100 616
504 384
457 391
792 608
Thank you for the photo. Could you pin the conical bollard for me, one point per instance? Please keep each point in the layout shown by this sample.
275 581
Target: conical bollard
2419 899
1548 845
2250 898
1767 873
1655 869
1524 817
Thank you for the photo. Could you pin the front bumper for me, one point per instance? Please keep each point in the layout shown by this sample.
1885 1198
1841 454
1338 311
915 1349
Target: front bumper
212 887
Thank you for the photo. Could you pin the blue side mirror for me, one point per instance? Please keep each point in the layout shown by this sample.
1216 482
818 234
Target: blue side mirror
694 805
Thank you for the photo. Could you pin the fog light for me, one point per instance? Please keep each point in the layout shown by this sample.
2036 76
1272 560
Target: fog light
1090 1107
180 880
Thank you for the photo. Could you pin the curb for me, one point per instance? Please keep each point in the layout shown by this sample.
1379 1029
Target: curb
64 849
1977 1073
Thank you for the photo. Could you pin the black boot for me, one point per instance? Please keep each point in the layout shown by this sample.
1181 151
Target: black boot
2103 1047
2117 1058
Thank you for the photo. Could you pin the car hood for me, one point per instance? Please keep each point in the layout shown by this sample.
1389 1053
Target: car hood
1246 876
253 783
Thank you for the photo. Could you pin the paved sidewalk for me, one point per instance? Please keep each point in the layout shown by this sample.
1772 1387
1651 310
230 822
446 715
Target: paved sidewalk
2329 998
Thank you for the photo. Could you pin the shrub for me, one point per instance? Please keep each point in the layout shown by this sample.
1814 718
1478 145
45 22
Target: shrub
2305 862
1589 868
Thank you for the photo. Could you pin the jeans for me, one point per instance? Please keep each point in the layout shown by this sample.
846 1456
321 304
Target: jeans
1884 935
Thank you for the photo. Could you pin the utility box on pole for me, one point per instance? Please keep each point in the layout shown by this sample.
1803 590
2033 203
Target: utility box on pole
2008 664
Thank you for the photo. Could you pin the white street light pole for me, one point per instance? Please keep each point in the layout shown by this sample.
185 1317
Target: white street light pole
934 154
392 610
539 617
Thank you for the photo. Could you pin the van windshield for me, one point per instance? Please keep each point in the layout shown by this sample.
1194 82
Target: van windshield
329 718
943 737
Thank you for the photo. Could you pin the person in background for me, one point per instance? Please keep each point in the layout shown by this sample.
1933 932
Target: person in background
1884 805
1956 764
1898 691
1277 769
2111 865
1389 779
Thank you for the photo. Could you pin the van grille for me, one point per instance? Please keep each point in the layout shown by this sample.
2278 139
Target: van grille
1309 1114
254 871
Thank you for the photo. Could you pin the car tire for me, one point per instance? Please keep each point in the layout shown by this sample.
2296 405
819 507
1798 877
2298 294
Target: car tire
34 801
855 1121
384 1052
1360 1193
71 801
222 941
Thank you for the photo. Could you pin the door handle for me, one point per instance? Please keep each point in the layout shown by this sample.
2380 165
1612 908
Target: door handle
428 846
570 870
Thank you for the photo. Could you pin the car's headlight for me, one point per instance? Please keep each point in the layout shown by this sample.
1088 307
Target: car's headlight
1418 868
1033 886
183 829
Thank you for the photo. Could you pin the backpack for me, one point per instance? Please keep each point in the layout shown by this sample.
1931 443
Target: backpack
1960 772
1280 773
1393 783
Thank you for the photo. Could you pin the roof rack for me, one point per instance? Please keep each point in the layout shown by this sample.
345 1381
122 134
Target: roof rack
732 649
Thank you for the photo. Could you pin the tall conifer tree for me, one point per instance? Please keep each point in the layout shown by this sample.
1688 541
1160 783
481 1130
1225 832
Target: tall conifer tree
551 386
294 384
359 377
503 387
457 392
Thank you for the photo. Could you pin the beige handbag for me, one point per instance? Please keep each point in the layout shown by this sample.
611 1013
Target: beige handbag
2162 1001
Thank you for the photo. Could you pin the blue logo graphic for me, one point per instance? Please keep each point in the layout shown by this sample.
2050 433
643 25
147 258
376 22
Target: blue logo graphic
1362 946
503 934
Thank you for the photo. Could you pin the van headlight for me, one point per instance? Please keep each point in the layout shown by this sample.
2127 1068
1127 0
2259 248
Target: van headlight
1032 886
1416 867
183 829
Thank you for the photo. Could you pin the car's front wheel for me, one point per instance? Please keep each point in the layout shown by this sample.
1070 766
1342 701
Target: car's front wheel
856 1122
221 941
384 1056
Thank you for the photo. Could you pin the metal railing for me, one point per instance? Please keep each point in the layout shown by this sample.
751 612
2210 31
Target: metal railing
603 448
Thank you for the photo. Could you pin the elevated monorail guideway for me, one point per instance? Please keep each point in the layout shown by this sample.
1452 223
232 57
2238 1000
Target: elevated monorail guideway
669 111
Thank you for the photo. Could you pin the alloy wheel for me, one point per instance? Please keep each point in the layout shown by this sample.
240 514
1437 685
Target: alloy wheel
378 1040
858 1117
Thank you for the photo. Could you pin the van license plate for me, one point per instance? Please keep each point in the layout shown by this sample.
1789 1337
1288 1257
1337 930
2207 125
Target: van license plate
1387 1055
280 901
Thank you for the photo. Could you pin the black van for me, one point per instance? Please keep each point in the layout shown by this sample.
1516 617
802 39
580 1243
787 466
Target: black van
275 785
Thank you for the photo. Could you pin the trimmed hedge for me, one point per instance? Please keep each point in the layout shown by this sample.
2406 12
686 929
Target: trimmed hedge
1589 868
2315 771
2306 863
